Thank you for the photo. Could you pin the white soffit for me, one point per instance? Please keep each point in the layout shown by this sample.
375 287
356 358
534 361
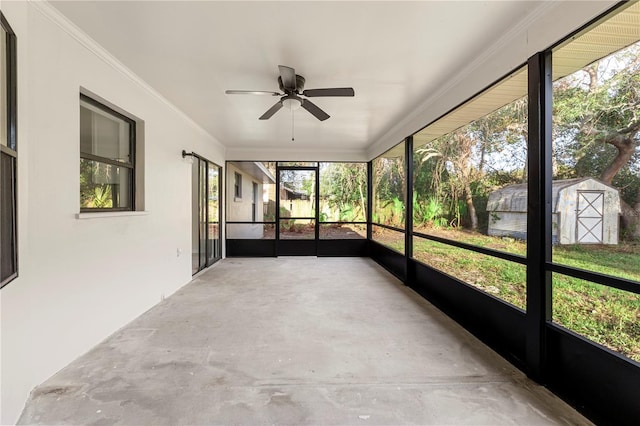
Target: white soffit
508 90
620 31
593 43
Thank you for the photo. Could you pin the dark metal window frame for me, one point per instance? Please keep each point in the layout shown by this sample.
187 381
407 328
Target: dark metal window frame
130 165
246 222
12 137
408 141
356 222
316 170
276 223
540 87
406 162
408 244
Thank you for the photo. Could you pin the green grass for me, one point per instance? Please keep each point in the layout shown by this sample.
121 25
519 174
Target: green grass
605 315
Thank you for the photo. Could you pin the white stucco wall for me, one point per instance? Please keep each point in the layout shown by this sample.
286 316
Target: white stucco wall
82 279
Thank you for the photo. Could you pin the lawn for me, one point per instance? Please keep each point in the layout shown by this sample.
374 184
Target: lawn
605 315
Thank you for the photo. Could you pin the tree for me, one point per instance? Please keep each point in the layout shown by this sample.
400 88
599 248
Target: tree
467 163
343 186
389 187
597 127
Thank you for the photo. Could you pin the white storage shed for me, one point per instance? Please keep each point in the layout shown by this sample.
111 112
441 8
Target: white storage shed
584 211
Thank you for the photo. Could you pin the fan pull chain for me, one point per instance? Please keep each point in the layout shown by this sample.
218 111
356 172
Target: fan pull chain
292 118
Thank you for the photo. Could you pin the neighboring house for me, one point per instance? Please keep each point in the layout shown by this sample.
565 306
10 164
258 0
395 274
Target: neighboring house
295 203
584 211
245 191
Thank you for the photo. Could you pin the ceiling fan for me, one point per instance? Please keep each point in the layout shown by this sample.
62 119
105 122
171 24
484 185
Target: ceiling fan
294 94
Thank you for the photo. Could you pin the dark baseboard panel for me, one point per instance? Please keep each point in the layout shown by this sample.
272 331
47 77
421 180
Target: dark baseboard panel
251 248
359 248
297 248
273 248
498 324
391 260
599 383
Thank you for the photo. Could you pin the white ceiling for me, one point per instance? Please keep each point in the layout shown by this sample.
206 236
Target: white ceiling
394 54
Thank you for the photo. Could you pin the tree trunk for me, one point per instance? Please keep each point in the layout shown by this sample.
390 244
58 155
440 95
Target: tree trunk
625 149
593 77
630 215
630 220
363 204
472 210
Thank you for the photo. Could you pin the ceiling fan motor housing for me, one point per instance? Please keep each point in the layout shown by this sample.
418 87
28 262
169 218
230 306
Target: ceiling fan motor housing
299 84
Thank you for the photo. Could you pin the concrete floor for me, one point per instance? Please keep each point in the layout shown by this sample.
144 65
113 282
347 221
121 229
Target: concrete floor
293 341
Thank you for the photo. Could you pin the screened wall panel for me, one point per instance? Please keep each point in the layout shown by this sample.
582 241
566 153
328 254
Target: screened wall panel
343 201
389 188
470 188
596 175
390 238
469 170
251 200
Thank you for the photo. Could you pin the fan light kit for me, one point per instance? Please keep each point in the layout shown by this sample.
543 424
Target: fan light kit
294 95
292 103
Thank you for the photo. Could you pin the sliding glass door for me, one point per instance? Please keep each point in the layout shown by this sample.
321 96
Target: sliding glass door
205 207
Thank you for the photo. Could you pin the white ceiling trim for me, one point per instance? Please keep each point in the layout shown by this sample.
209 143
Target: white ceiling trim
294 154
51 13
395 134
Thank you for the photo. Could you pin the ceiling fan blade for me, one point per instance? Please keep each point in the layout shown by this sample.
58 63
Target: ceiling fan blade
251 92
335 91
314 110
288 76
267 115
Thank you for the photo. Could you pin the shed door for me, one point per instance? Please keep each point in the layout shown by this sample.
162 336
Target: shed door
590 214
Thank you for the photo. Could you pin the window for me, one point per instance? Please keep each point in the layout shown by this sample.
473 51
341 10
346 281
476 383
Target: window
596 182
205 196
255 218
8 155
237 184
107 158
388 203
254 202
470 188
343 200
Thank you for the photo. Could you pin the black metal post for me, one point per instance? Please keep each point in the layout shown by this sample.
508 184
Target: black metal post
207 237
317 203
538 215
277 215
408 220
369 199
